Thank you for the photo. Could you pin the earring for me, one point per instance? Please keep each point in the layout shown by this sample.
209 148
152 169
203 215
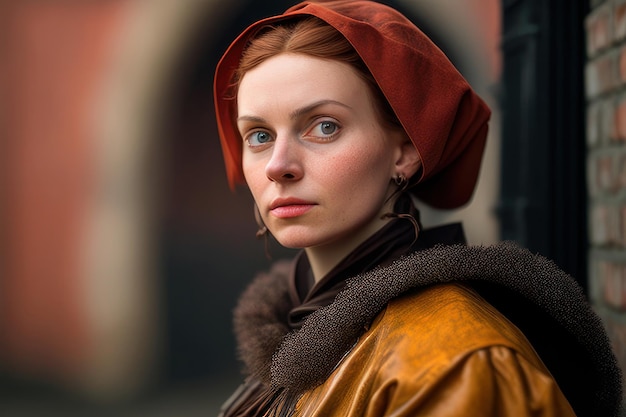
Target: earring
400 180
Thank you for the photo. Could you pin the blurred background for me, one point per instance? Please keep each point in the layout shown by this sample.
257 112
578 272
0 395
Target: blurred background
122 250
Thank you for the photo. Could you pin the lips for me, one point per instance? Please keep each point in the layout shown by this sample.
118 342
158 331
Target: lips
285 208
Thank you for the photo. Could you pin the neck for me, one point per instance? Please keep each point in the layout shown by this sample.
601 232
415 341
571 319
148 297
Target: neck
324 258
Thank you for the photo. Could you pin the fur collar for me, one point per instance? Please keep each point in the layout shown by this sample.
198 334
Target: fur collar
303 359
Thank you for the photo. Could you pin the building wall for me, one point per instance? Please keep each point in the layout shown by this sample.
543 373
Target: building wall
605 79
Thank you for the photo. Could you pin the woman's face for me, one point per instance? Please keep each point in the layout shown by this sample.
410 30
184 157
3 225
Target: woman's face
315 156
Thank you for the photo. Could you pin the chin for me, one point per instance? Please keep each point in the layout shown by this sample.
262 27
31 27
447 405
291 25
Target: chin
293 239
292 243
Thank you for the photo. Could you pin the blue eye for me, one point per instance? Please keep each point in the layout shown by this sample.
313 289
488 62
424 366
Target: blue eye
323 130
258 138
328 128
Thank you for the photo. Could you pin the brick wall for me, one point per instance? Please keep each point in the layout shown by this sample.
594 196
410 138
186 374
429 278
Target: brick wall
605 79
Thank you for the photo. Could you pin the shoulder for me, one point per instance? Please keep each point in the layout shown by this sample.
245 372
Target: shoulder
446 322
432 342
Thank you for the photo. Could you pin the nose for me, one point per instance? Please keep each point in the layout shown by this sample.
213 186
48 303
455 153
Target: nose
285 163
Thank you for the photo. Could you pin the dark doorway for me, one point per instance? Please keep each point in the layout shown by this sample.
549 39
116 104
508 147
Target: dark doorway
543 193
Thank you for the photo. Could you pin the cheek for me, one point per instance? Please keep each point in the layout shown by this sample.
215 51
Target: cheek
254 174
358 170
370 161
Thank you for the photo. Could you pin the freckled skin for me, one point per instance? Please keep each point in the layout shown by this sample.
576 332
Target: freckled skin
311 132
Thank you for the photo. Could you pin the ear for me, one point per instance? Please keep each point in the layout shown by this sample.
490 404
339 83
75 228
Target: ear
408 161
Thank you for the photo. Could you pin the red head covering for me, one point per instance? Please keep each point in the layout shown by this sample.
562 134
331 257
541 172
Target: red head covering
445 119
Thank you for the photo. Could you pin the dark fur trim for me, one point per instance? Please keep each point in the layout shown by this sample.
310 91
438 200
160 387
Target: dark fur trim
260 320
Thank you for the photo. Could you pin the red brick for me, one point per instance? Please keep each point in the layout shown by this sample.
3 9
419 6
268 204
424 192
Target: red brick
599 222
621 172
605 179
622 226
619 121
605 226
603 121
619 20
607 120
600 74
613 219
612 277
622 66
598 26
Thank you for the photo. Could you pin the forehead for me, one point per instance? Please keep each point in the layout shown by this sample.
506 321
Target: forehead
290 78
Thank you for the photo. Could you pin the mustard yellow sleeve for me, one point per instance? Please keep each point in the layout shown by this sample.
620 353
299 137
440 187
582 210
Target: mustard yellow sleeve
495 381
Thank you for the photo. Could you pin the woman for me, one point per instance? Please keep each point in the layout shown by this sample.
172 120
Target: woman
335 114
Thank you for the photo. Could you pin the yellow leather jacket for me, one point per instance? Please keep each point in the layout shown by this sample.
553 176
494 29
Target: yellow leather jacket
442 351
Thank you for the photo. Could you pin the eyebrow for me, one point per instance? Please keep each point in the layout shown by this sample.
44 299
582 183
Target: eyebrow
306 109
298 112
